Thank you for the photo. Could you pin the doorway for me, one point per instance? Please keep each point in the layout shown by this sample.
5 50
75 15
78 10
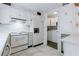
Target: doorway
52 29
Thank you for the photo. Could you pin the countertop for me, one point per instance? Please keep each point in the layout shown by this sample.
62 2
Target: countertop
3 39
64 35
73 39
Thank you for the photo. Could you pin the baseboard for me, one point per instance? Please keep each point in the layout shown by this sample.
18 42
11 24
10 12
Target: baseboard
62 51
37 45
29 46
18 51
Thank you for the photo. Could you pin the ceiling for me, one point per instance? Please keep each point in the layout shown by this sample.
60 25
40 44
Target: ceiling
41 7
53 13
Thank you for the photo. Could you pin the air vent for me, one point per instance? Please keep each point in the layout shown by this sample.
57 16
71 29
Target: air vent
9 4
65 4
39 13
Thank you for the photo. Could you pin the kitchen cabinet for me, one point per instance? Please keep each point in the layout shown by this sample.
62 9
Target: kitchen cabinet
36 39
17 13
7 12
4 13
14 12
19 42
38 35
30 39
66 17
71 45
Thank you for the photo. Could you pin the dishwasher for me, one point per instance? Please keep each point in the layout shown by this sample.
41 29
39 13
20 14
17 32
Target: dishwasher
19 41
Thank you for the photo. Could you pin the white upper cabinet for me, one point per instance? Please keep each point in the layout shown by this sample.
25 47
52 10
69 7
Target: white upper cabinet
17 13
14 12
7 12
4 13
66 17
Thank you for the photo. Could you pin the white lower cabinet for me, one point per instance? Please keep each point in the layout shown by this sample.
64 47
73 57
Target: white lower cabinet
30 39
70 49
71 45
36 39
13 50
19 42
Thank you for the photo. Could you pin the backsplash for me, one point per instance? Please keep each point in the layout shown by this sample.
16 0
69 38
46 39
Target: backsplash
15 27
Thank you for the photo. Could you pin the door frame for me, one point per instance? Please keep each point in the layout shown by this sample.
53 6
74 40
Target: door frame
45 33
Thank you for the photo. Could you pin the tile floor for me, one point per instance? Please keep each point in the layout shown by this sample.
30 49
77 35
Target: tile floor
39 51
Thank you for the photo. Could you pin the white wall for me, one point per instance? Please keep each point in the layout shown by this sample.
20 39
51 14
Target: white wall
53 21
52 36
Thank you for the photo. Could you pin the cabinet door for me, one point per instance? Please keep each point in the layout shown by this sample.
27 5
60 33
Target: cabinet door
30 39
19 40
36 39
40 39
4 13
66 17
15 12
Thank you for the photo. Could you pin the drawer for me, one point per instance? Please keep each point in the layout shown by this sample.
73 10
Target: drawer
13 50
